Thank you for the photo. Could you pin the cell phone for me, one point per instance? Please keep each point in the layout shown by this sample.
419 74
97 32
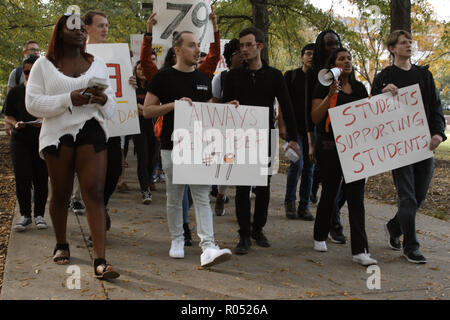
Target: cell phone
96 86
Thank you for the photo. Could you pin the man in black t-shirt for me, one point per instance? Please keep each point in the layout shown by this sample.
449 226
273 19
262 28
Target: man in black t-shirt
183 82
256 84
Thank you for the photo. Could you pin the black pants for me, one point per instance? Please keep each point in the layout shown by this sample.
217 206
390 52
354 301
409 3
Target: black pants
114 169
146 147
29 169
331 177
243 208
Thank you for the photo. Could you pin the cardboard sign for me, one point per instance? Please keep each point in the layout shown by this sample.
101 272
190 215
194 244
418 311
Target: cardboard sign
136 45
117 59
180 15
382 133
219 144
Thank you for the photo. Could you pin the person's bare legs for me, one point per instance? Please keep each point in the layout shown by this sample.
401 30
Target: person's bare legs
91 170
61 172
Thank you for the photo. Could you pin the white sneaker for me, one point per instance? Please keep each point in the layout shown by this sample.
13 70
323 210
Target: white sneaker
23 224
320 246
364 259
177 249
40 223
214 255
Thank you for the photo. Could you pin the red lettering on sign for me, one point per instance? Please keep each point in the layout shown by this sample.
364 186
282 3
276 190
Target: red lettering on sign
352 115
413 96
362 164
117 77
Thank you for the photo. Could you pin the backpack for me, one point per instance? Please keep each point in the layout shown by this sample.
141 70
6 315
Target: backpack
223 76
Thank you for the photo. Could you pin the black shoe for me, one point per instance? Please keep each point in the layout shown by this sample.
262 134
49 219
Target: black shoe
304 214
187 235
77 207
243 245
415 257
261 239
313 198
289 208
108 220
394 242
219 207
337 235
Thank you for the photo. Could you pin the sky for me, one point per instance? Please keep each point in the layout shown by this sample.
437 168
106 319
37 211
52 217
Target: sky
341 7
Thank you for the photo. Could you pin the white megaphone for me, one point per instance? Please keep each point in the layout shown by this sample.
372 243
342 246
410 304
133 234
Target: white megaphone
327 76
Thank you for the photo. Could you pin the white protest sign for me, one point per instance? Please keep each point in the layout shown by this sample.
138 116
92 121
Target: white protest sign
117 59
382 133
220 144
180 15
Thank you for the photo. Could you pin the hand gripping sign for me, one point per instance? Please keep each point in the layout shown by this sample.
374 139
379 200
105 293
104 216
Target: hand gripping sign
181 15
381 133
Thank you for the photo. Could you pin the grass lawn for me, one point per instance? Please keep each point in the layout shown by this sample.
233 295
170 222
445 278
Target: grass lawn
443 151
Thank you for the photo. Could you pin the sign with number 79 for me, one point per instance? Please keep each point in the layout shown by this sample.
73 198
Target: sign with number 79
181 15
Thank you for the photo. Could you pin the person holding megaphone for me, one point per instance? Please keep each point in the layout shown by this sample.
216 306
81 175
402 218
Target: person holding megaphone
343 88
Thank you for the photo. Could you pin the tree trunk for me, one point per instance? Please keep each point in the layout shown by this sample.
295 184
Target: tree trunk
261 21
401 15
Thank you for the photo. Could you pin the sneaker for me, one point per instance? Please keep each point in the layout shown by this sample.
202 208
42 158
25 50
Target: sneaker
162 177
289 208
220 206
177 249
155 178
147 196
214 255
187 235
23 224
243 245
261 239
304 214
364 259
313 198
415 257
320 246
337 236
40 222
394 242
77 207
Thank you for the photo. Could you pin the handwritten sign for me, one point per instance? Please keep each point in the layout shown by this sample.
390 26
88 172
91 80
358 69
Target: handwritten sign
181 15
382 133
117 59
220 144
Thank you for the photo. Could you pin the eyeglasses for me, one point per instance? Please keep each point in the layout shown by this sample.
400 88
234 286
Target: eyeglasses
247 45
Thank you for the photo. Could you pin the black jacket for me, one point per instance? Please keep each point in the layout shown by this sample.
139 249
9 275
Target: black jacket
430 96
260 88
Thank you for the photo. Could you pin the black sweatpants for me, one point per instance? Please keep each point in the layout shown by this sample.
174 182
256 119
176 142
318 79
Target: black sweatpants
243 208
331 176
29 170
114 169
146 147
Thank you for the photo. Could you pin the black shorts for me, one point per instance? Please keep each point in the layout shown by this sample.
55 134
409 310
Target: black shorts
91 133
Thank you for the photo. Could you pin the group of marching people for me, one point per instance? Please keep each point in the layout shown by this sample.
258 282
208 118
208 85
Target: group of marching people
57 131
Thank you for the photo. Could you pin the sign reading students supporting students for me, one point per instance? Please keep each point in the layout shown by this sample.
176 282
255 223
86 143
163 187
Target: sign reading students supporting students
180 15
220 144
381 133
117 58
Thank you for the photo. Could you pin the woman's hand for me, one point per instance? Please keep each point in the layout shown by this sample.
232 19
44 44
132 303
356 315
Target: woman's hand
334 88
392 88
19 125
151 22
78 99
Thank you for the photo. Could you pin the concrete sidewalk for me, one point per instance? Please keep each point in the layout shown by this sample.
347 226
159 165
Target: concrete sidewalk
139 241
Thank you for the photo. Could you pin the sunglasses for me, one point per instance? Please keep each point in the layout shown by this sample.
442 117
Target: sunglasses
26 72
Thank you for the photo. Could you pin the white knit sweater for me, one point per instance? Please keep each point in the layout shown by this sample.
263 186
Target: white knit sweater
48 97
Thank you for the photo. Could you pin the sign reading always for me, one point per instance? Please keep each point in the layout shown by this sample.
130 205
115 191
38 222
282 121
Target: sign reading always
220 144
117 59
180 15
381 133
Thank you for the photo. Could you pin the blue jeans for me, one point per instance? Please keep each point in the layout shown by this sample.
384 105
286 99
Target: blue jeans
305 167
412 184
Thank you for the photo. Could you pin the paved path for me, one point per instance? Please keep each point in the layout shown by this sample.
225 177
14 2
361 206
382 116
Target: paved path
139 241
